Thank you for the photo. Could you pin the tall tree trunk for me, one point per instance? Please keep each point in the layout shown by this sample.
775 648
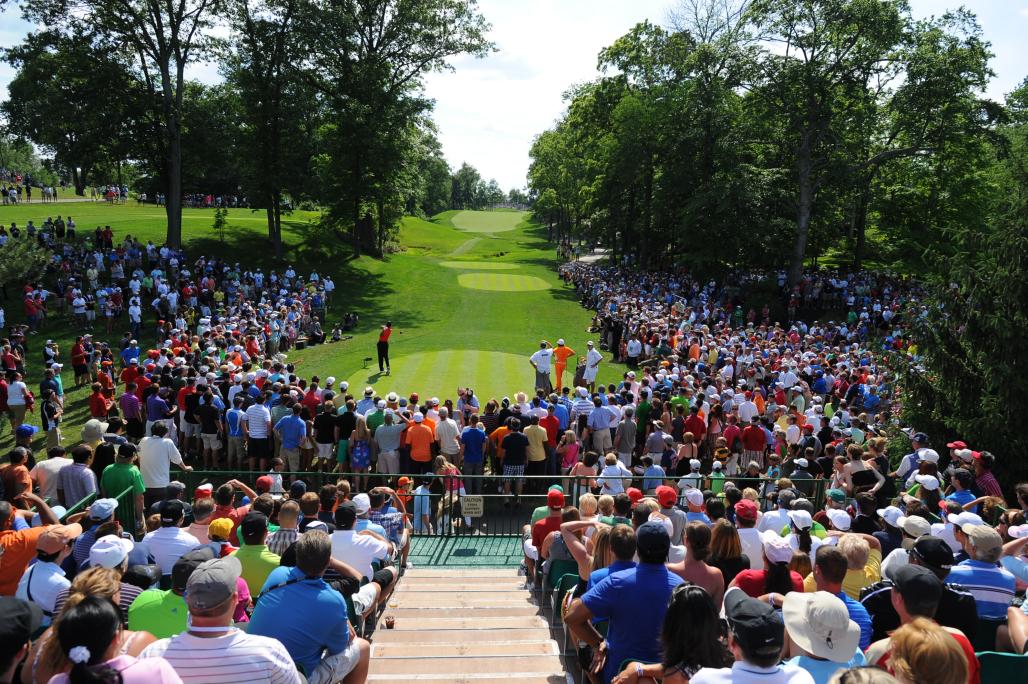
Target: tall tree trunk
173 205
860 226
278 225
805 173
381 227
357 170
78 179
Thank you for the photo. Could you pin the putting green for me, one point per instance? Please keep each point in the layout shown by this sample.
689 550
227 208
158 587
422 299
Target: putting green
487 221
501 282
479 265
439 373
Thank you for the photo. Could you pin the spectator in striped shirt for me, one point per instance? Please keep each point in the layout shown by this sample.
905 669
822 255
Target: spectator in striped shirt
984 479
288 531
991 586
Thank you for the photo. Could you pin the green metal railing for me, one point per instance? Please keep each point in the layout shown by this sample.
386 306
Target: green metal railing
482 507
125 513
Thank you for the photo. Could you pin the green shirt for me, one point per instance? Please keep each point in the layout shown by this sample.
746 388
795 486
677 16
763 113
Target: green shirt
816 530
642 415
613 520
257 564
717 482
162 613
118 477
374 419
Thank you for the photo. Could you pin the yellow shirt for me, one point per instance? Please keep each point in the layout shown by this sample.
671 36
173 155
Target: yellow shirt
536 442
855 580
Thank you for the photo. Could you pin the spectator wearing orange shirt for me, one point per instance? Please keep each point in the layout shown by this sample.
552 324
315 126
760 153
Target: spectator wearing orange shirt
420 439
99 405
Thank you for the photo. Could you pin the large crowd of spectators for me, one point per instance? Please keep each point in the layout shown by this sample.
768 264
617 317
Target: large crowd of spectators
728 510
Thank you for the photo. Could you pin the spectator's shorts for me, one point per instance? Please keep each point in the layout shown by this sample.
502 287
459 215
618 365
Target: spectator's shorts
514 472
210 441
292 459
334 668
325 451
364 598
189 429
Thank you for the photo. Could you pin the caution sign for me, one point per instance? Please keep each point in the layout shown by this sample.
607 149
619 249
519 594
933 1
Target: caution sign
473 506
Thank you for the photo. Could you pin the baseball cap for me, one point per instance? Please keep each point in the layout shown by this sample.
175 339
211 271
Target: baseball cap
297 489
965 518
930 455
19 622
965 455
666 496
776 547
694 497
929 482
102 509
213 582
786 497
933 552
652 538
346 514
958 444
554 499
635 495
254 523
986 541
264 483
362 502
403 482
25 430
171 510
203 491
801 462
836 495
220 528
917 583
801 519
1018 531
841 520
920 437
820 624
694 463
891 515
187 563
755 624
57 537
419 417
746 509
110 551
913 525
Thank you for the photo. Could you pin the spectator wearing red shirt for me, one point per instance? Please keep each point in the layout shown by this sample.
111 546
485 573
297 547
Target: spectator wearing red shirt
551 523
551 424
695 424
986 481
754 442
99 405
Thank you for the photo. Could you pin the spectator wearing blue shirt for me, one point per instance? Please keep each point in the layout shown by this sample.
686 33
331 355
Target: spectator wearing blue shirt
309 617
422 501
962 481
130 353
561 412
633 600
653 475
622 545
291 430
830 566
233 420
992 586
472 453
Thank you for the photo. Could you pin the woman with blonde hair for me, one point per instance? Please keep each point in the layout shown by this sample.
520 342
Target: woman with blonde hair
922 652
453 487
46 658
360 454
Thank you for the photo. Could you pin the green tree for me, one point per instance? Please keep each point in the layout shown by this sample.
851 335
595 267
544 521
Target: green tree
52 101
22 259
164 38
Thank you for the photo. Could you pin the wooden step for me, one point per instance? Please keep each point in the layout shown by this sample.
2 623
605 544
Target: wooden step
419 615
450 678
470 623
463 600
437 584
550 664
459 648
455 636
453 573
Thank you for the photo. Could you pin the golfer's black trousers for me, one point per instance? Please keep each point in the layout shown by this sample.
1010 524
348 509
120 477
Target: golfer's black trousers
383 356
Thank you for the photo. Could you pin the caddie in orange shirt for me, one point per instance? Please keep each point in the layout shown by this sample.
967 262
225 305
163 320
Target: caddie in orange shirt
561 355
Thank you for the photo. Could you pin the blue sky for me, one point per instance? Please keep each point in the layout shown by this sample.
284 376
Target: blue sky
489 110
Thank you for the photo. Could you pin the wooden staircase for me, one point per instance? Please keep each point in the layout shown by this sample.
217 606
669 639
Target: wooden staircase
465 626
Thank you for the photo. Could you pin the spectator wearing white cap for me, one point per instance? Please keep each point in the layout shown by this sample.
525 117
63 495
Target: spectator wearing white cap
912 527
891 536
992 587
44 580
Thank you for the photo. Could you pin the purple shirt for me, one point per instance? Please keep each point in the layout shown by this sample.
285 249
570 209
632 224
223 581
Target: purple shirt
156 408
77 482
135 671
130 406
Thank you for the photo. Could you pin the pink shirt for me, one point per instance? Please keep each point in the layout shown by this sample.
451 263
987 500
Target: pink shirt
135 671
